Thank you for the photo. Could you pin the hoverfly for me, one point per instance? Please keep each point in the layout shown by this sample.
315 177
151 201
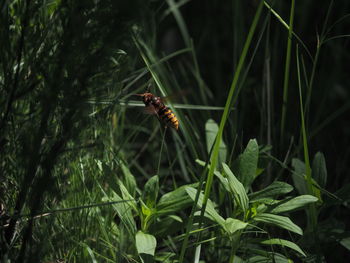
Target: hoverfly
154 105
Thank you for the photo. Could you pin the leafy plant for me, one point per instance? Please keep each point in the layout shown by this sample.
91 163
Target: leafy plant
247 226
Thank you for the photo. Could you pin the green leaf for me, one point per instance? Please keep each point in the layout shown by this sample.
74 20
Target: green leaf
272 257
280 221
248 164
165 257
273 190
150 192
174 201
129 180
91 253
166 226
224 182
211 130
284 243
124 211
126 195
345 242
232 225
319 169
210 211
145 243
236 188
294 204
299 176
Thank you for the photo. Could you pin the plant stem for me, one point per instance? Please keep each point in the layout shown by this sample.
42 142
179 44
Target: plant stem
286 72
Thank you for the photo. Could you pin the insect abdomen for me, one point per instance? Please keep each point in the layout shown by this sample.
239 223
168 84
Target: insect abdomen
167 115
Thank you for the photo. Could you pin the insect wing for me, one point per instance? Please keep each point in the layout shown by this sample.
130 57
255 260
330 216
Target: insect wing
150 109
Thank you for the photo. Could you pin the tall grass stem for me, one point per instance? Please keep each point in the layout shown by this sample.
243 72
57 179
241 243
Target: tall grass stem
287 72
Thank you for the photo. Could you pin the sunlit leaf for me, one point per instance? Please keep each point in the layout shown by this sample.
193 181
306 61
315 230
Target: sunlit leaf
211 130
232 225
280 221
236 188
284 243
294 204
145 243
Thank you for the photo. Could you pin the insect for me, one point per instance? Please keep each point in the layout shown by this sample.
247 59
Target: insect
154 105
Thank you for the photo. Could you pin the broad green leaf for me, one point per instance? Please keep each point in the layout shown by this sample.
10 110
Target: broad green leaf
124 211
166 225
129 180
273 190
224 182
346 242
319 169
127 196
147 211
145 243
284 243
280 221
210 211
248 164
174 201
298 176
294 204
211 130
272 257
236 188
150 191
232 225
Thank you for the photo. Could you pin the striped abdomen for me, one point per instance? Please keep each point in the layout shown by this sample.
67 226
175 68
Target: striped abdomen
167 116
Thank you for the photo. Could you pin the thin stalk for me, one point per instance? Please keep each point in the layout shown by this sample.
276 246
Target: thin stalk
286 72
320 41
161 151
214 157
215 154
308 178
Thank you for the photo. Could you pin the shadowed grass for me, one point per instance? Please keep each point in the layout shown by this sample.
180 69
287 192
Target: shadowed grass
214 156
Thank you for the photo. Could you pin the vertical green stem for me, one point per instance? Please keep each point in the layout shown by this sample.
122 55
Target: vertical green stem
214 157
161 151
286 72
313 215
215 154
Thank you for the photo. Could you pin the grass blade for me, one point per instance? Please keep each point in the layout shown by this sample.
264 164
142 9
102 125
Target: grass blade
286 72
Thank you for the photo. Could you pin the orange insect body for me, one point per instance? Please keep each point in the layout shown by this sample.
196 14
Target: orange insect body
154 105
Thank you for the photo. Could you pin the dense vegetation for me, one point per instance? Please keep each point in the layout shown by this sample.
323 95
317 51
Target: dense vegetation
256 172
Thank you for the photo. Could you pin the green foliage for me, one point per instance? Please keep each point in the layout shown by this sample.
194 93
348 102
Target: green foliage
86 177
247 164
250 210
146 245
211 129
